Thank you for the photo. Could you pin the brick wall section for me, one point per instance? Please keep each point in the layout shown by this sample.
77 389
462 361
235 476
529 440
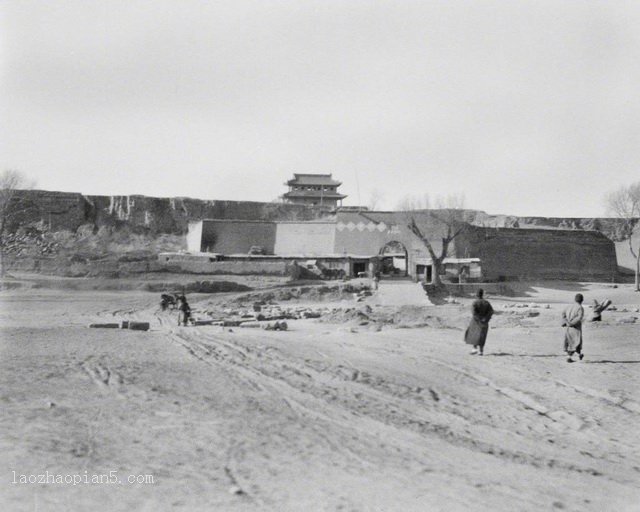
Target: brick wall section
539 253
367 233
311 238
194 236
237 237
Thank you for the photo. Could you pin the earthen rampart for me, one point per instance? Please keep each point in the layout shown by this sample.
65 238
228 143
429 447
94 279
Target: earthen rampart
508 254
158 215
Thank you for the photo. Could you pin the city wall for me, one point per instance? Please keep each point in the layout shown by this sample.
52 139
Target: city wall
508 254
505 253
159 215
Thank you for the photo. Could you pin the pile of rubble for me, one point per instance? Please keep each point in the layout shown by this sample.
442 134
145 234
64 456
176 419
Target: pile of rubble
311 293
532 305
527 307
267 316
623 310
362 295
274 317
29 244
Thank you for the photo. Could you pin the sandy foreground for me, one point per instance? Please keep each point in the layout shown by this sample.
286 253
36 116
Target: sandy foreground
325 416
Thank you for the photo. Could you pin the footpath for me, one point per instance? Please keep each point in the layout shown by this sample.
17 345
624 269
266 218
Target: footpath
399 293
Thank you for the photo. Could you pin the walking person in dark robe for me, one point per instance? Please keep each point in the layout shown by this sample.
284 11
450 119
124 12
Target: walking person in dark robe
572 319
184 311
476 333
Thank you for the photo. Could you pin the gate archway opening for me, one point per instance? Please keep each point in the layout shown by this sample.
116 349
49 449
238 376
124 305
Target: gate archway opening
394 259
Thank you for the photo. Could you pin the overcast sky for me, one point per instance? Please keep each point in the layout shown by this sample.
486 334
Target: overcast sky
525 107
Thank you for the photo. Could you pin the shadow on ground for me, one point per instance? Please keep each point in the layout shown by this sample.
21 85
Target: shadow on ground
604 361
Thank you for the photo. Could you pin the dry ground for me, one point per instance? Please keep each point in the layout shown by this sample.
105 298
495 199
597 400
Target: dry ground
324 416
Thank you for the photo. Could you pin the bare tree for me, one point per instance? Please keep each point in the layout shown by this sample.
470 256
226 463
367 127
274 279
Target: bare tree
624 203
375 198
450 220
12 205
450 202
414 202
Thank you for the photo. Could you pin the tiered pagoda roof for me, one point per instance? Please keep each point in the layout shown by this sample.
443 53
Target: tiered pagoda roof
313 180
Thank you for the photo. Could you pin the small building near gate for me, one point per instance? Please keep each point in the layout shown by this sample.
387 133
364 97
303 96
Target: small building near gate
456 270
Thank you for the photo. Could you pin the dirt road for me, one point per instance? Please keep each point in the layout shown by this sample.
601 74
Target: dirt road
321 417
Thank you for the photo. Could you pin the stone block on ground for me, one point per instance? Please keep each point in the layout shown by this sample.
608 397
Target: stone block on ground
277 326
139 326
251 324
205 322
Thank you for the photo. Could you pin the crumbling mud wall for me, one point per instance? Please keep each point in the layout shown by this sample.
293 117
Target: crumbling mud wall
508 254
158 215
53 210
69 211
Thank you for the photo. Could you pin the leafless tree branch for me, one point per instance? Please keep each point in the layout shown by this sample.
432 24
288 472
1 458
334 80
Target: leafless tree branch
624 203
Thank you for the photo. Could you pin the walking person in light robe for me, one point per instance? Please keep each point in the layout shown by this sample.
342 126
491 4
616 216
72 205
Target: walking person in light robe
572 319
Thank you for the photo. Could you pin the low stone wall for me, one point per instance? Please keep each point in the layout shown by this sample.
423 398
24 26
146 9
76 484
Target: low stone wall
64 266
269 268
470 289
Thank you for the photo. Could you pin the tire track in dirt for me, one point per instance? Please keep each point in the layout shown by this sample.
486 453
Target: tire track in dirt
627 404
566 421
570 421
573 423
367 395
214 350
109 380
102 376
563 417
230 358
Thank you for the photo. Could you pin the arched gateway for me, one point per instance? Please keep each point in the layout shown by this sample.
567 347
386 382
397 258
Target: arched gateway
394 259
